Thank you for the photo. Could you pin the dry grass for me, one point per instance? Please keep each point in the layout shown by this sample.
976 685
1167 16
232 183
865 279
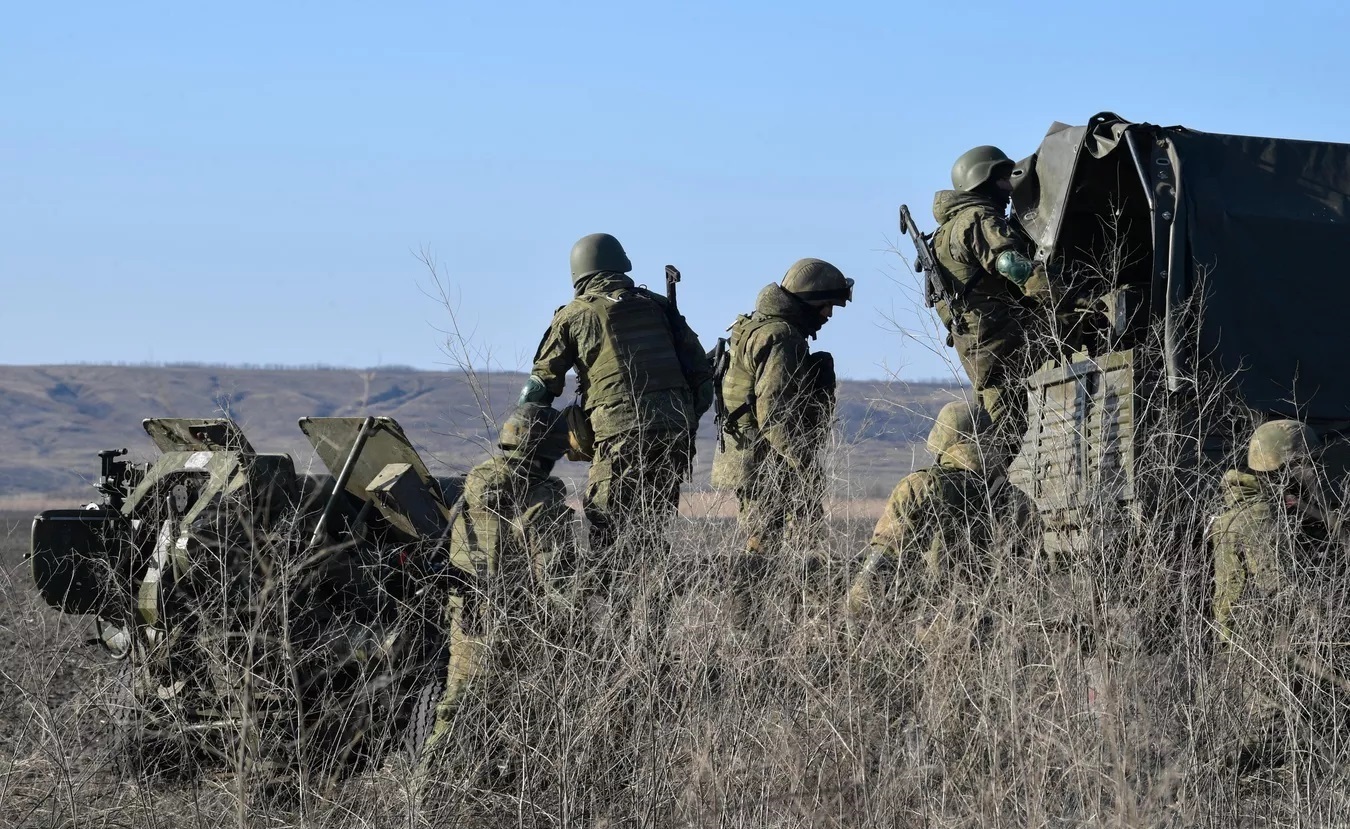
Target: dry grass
1078 696
1083 693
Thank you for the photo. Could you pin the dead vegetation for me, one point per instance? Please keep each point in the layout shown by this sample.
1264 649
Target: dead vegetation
1074 694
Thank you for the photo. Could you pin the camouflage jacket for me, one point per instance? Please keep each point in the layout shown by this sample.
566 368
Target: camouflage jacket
515 526
639 365
945 516
971 234
779 395
1260 547
950 519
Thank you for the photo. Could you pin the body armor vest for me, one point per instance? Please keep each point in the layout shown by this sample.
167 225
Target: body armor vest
817 380
979 285
637 353
738 386
497 514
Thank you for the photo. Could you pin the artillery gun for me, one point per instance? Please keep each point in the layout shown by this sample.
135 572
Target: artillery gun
267 620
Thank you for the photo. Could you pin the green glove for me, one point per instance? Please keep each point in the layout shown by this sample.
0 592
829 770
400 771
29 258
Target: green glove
535 392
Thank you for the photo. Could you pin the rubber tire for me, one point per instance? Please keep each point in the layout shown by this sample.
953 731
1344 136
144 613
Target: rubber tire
421 719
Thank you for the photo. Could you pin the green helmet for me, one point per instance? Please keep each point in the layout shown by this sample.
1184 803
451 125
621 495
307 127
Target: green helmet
1280 443
536 431
957 422
977 166
598 252
965 456
818 282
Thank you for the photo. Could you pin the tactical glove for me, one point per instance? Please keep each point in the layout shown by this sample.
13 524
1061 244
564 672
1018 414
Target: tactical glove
535 391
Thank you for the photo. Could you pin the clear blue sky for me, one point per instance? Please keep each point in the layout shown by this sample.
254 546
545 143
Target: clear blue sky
250 182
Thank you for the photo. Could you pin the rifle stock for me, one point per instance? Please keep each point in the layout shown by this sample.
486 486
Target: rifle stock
672 279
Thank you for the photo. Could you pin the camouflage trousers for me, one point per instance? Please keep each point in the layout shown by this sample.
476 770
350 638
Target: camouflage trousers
491 640
781 504
633 489
780 512
468 651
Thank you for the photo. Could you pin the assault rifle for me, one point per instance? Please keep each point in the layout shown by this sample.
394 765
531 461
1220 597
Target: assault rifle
673 279
721 360
938 284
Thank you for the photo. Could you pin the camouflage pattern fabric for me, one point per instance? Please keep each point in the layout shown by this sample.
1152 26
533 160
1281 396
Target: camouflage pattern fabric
780 397
1281 657
639 366
632 492
516 527
646 381
948 519
993 350
1242 541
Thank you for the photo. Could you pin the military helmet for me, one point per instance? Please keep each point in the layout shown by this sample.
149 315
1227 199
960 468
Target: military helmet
818 282
965 456
977 166
1279 443
598 252
957 422
536 430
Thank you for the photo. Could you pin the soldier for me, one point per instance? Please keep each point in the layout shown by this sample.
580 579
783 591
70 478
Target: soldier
1276 505
1275 548
988 258
945 516
515 531
778 399
644 381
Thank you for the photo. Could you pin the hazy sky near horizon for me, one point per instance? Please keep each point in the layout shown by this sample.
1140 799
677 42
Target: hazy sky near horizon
253 182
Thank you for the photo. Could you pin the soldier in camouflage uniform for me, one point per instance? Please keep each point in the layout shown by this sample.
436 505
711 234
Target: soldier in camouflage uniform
999 285
779 399
514 526
644 381
1275 548
947 516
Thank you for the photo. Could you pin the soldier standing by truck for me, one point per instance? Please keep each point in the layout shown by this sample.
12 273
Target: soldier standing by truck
644 382
776 400
996 285
1276 548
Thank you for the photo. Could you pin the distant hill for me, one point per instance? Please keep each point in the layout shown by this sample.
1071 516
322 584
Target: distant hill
57 418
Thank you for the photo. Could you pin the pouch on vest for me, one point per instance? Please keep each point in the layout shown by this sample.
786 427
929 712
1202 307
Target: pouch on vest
580 436
734 462
819 384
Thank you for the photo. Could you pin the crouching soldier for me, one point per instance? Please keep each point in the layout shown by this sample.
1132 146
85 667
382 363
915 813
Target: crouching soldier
1278 571
941 524
515 531
776 401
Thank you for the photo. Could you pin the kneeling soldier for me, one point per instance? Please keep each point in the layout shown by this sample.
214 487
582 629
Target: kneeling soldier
944 517
1277 552
517 531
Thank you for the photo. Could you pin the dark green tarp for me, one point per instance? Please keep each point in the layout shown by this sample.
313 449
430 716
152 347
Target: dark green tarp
1263 224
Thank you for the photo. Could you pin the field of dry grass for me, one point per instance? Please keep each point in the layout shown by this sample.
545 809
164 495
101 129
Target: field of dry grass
1079 696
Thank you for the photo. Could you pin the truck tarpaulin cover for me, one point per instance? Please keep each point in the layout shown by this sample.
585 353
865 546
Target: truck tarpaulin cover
1262 223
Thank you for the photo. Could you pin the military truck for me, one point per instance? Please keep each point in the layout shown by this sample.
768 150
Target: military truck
267 620
1218 259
